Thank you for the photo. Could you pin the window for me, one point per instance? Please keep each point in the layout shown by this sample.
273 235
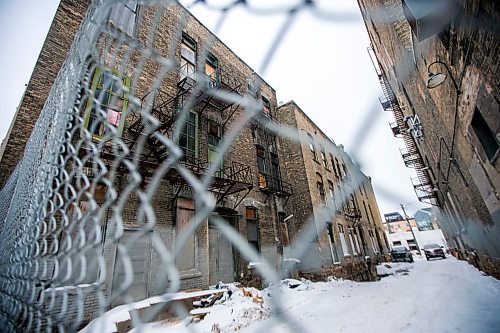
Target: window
352 203
372 240
338 168
188 139
366 211
321 188
311 146
485 136
275 171
396 243
351 240
332 194
342 239
261 165
123 16
334 167
357 241
211 70
345 170
412 244
214 133
252 227
323 159
371 213
331 238
188 57
107 107
266 107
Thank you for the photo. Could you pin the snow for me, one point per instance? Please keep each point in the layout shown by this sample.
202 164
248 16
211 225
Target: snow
107 322
436 296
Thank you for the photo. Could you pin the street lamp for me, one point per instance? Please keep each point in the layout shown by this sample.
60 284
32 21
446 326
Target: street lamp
437 79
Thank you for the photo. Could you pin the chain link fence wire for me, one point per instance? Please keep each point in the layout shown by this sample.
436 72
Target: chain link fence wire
66 211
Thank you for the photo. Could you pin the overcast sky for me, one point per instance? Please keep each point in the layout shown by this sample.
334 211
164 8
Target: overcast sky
323 65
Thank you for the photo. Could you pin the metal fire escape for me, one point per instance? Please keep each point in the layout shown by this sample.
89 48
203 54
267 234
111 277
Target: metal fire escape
231 178
200 96
422 184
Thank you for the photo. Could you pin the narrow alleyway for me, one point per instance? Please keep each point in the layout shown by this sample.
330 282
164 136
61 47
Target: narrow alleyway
437 296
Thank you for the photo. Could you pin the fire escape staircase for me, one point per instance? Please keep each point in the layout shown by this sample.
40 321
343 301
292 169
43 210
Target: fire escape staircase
231 178
422 184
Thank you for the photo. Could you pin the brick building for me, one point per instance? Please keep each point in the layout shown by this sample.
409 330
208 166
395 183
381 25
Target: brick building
149 106
449 120
327 183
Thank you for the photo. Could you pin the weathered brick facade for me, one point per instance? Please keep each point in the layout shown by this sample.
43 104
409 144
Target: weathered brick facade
131 219
327 183
458 139
66 21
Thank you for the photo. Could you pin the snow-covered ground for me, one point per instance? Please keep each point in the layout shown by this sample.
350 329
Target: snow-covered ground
436 296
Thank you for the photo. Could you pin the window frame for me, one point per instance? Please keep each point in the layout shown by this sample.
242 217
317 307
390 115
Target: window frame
190 44
253 219
343 241
117 13
210 59
312 147
196 137
262 180
321 188
323 159
266 107
92 100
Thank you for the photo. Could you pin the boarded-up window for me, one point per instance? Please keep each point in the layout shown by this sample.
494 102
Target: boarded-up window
83 261
185 259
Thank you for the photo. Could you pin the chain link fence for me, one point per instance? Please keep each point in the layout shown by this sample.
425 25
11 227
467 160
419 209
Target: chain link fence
111 164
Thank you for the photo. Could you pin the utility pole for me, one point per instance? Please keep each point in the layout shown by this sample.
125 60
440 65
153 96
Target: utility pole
413 234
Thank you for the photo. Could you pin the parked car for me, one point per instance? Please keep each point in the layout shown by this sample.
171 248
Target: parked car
401 253
434 251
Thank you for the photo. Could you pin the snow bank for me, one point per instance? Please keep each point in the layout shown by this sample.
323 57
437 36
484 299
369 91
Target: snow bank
393 268
437 296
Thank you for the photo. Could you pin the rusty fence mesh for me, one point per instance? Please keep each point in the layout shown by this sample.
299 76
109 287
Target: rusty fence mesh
113 149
